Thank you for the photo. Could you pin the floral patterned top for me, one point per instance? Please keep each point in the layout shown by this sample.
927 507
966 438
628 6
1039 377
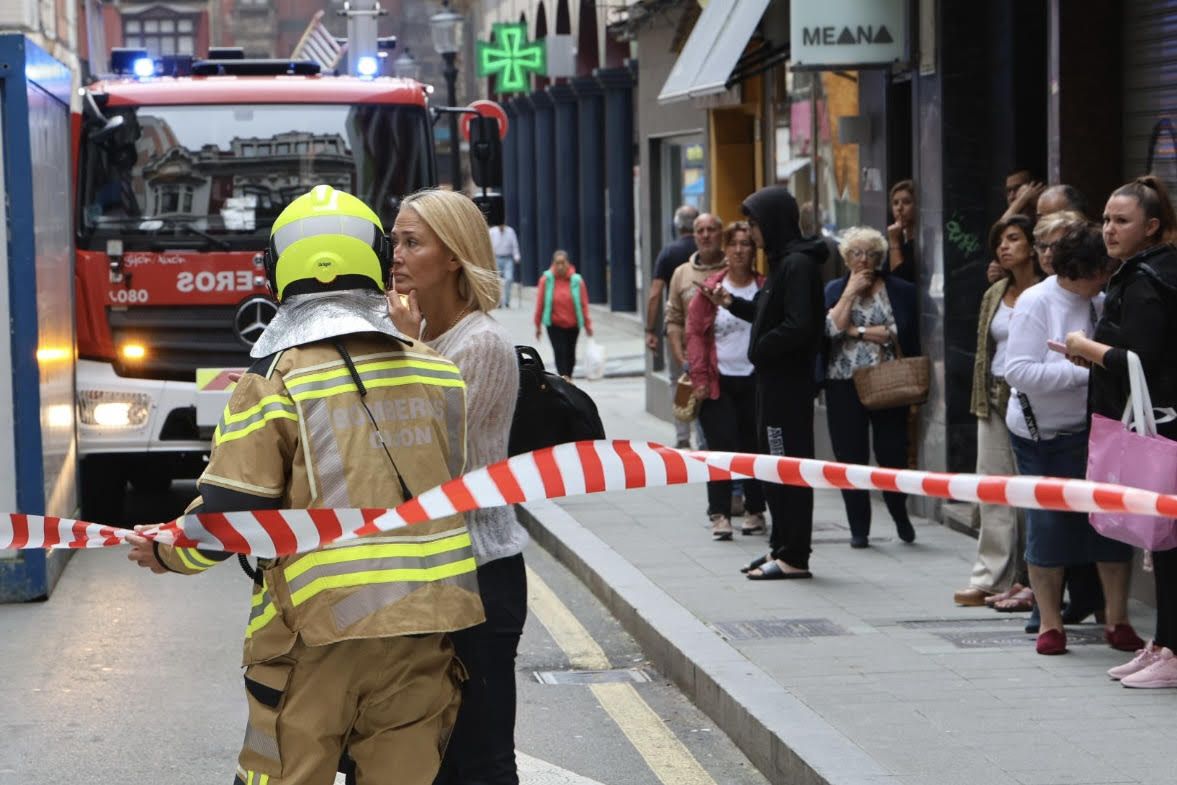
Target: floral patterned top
848 353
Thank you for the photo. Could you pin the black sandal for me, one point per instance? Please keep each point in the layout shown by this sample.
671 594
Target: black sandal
772 572
755 564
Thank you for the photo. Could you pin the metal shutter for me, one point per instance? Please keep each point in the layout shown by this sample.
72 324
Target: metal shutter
1150 88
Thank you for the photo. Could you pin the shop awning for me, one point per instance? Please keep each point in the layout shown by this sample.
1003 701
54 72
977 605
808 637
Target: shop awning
716 43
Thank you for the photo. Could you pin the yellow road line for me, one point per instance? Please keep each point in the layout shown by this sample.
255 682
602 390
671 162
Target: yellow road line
671 762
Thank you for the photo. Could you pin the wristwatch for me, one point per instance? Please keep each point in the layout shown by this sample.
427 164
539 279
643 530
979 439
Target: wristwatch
861 332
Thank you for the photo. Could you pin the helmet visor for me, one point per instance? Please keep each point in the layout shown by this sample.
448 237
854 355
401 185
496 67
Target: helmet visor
347 225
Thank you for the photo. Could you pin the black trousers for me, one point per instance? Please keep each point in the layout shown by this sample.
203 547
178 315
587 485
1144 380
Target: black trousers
851 425
729 423
784 416
1164 565
564 347
481 750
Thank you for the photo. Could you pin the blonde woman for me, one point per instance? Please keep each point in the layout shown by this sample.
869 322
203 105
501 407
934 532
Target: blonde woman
442 259
868 315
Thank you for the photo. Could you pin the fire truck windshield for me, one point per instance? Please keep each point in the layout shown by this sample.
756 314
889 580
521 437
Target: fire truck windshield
217 176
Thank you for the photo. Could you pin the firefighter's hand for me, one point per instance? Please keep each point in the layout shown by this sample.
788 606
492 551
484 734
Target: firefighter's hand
404 312
142 552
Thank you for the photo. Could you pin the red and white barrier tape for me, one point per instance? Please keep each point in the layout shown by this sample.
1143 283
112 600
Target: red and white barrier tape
573 470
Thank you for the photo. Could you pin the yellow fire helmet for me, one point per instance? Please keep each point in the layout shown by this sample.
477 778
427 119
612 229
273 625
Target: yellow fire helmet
326 240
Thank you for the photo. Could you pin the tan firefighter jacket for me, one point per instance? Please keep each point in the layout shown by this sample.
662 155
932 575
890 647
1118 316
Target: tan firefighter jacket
296 434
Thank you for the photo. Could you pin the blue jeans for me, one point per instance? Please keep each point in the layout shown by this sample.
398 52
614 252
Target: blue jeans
1055 538
507 273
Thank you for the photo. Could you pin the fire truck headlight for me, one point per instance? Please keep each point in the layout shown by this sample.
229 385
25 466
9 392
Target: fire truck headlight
367 66
113 409
133 351
143 67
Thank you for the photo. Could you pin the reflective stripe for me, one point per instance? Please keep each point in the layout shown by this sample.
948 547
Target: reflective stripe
380 374
262 612
378 556
235 426
193 560
351 579
349 225
455 426
332 483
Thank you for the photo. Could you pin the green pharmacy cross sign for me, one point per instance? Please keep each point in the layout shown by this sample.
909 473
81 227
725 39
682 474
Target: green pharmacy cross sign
511 58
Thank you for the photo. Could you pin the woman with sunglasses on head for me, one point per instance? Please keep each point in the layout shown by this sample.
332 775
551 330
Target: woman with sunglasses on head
1140 315
869 315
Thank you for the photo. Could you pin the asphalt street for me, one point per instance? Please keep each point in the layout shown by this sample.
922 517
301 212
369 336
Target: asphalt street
125 677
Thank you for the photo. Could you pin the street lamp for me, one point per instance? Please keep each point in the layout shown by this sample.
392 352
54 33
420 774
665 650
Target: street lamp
446 29
404 66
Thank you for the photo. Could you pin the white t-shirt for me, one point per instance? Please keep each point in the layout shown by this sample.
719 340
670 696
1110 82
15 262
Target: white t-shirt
1055 387
504 242
732 335
999 334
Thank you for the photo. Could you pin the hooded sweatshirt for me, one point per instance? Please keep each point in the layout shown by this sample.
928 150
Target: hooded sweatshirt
788 313
1138 316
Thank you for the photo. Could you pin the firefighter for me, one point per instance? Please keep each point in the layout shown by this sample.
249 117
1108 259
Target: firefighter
345 645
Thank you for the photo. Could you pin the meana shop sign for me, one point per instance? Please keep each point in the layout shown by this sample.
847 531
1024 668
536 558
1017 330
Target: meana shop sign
847 33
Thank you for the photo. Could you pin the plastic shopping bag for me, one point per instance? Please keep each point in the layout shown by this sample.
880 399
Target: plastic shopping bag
1130 452
594 359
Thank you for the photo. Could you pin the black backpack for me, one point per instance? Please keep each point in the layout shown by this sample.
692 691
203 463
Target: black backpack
549 410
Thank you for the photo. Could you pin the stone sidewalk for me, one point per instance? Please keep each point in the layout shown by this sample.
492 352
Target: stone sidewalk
866 674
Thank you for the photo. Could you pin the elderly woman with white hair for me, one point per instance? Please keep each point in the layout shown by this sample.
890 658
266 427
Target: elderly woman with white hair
869 315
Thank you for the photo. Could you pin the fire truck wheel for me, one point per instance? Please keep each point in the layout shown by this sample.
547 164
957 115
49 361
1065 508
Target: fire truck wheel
103 488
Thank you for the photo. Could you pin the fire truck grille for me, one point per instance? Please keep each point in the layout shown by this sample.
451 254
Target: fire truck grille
177 341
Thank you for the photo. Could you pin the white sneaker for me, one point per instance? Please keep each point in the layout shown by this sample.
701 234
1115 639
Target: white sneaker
1144 657
1162 673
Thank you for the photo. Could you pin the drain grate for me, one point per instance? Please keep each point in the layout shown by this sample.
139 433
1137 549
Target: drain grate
615 676
919 624
1003 639
758 629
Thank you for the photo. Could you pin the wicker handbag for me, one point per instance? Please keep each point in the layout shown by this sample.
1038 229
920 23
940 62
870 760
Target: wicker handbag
686 405
899 382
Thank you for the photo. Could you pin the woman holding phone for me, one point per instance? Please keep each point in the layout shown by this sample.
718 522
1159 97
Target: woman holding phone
1139 227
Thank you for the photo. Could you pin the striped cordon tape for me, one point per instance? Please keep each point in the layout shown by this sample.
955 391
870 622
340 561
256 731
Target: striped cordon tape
572 470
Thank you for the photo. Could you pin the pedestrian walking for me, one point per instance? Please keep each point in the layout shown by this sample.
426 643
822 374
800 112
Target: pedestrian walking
347 645
670 258
869 316
723 378
1139 227
505 244
787 317
440 256
562 307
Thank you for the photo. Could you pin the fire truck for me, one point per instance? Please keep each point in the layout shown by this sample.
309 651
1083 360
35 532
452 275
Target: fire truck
181 169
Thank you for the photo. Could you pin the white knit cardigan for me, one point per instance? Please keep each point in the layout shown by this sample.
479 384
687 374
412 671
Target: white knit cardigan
484 353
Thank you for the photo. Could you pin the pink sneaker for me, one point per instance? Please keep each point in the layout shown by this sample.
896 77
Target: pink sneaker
1162 673
1145 657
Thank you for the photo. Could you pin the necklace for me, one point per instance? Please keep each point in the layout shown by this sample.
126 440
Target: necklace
457 319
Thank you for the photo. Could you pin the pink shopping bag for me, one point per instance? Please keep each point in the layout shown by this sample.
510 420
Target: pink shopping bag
1130 452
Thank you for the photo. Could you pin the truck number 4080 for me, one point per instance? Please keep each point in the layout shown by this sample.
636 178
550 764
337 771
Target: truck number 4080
129 296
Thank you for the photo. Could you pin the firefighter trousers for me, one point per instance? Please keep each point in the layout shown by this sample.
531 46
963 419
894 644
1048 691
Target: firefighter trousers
391 701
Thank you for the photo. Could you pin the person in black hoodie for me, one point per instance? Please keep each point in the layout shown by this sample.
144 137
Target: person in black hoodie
1139 315
787 317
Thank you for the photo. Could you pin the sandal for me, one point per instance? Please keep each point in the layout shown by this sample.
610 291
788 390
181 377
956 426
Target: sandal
1020 602
772 572
1004 595
755 564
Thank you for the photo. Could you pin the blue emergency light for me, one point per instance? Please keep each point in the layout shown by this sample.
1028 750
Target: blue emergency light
367 66
125 60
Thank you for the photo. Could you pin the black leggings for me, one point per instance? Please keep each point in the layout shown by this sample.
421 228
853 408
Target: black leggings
564 347
851 424
1164 565
729 423
482 748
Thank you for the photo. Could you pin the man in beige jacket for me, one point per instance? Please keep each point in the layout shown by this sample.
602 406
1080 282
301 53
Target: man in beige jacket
705 261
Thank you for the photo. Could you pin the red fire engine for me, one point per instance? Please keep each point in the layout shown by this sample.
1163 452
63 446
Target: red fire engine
179 179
